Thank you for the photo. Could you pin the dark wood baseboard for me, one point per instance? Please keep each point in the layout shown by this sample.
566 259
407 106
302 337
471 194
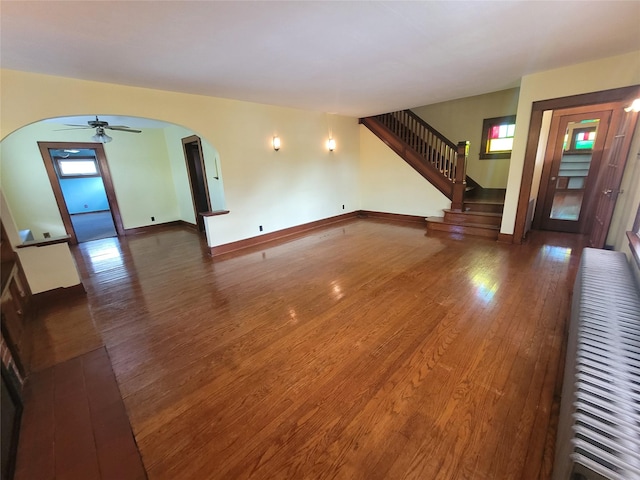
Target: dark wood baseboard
158 226
57 294
505 238
299 229
394 217
279 234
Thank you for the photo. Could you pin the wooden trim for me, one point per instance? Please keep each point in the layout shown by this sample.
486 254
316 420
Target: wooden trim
214 213
393 217
460 183
634 238
15 434
584 99
505 238
45 242
58 294
537 109
279 234
187 141
158 226
57 191
636 222
634 246
531 150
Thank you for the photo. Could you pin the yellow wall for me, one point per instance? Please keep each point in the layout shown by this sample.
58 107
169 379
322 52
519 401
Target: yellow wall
389 184
627 204
173 138
301 183
462 119
138 163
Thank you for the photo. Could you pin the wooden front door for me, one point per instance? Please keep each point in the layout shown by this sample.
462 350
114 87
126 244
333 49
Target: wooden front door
572 165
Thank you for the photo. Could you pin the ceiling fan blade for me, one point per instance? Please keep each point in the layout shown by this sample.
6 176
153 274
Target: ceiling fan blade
123 129
78 126
71 128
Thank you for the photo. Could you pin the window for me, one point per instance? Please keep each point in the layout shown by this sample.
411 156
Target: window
497 137
77 167
582 136
634 238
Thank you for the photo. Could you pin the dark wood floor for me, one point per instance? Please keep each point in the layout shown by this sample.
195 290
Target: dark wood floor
362 350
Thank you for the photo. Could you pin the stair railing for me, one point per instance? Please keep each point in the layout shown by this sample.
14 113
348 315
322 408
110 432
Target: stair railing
438 159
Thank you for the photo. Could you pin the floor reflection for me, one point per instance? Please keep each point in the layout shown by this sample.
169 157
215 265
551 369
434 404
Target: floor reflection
561 254
100 255
485 286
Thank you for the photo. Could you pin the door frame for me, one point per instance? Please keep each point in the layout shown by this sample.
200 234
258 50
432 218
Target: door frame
554 142
623 94
57 190
190 174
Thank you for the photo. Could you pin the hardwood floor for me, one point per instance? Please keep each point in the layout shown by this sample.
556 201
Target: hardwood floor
362 350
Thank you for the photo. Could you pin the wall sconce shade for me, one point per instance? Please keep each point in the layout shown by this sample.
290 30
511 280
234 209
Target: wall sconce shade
331 144
276 143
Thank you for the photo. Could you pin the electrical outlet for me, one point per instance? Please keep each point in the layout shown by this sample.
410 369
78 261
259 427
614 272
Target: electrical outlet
343 207
260 227
46 235
153 219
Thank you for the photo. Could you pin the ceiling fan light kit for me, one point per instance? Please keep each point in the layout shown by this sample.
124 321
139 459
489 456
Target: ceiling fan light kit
100 127
100 136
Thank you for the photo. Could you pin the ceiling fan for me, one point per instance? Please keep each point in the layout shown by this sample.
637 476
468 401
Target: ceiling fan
100 127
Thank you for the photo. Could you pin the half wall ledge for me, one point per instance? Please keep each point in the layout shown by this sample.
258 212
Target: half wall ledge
213 213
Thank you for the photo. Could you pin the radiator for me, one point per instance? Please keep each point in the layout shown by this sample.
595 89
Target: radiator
599 427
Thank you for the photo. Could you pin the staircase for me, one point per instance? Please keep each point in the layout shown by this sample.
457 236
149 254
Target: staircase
474 210
482 215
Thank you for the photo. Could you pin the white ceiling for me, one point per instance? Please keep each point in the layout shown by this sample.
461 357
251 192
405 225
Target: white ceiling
353 58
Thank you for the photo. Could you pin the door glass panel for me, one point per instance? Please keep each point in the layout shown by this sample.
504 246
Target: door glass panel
574 169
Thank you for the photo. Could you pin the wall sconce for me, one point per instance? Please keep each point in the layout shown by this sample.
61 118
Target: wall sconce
276 143
331 144
635 106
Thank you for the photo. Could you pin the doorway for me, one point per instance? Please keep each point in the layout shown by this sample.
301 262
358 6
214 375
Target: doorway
82 186
618 99
197 174
571 169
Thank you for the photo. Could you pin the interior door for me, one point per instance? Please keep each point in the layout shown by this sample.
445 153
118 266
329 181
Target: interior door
570 172
612 170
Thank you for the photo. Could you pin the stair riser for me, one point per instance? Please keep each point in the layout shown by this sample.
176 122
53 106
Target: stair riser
469 217
462 229
484 207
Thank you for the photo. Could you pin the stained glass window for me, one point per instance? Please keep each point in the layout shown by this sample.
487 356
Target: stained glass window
497 137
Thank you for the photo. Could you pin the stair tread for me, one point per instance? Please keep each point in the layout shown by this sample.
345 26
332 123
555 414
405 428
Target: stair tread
472 212
474 225
482 201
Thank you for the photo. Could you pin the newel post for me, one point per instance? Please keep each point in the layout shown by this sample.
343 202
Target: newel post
460 180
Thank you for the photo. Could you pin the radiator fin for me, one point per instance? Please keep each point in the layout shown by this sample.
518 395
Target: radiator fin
599 429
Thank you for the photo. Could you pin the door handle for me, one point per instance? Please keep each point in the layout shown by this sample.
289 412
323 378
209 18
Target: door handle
553 179
607 192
